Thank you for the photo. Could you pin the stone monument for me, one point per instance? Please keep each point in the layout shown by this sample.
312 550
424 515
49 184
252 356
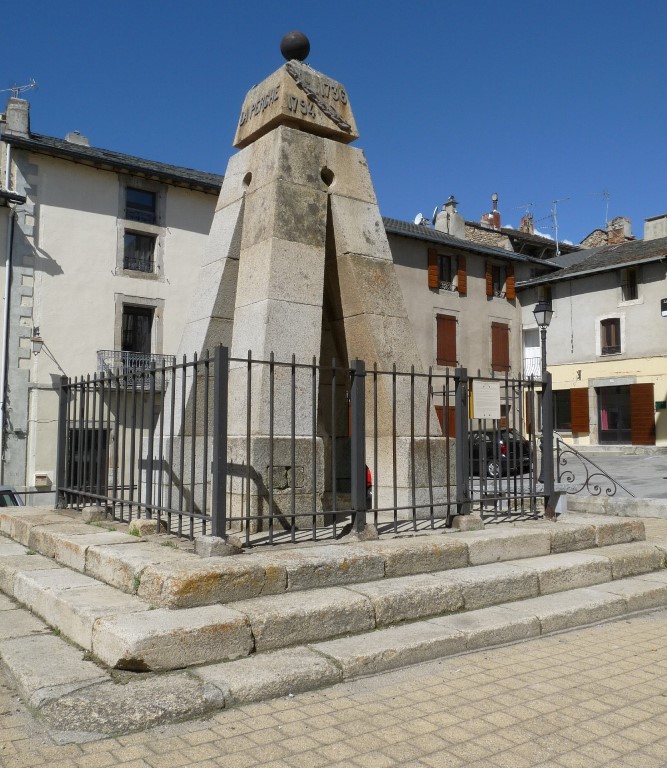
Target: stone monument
298 263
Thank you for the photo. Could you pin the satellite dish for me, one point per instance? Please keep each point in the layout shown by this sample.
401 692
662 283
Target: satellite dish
435 215
419 218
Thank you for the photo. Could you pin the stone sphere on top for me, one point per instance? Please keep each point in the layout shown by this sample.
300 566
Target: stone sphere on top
295 45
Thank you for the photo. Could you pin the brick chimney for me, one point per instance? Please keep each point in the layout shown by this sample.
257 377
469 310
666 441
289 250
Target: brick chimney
492 220
619 230
527 224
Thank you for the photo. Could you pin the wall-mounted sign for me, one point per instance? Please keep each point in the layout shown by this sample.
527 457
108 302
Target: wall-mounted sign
663 307
486 400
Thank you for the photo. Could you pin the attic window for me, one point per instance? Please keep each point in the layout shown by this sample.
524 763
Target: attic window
140 205
630 284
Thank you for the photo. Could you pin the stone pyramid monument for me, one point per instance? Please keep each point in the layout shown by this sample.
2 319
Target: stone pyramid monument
298 263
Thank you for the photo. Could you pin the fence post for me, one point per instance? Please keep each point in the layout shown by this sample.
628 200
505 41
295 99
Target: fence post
358 452
61 448
219 479
462 454
548 449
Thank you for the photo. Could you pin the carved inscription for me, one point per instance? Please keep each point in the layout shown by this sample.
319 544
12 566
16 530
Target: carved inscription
257 107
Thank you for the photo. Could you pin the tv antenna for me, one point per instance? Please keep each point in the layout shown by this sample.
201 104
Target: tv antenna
605 196
554 218
17 90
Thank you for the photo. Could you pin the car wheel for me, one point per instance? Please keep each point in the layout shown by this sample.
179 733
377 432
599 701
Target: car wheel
493 469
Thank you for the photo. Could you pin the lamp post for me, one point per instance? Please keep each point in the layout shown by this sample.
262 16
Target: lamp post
543 314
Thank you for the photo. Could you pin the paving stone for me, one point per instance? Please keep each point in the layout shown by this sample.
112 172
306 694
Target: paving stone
490 626
16 622
640 592
165 639
11 565
291 619
193 582
610 531
571 537
270 675
408 556
6 604
42 537
72 602
393 647
492 584
45 668
136 704
511 544
71 550
410 597
570 609
568 570
19 526
633 559
9 547
122 565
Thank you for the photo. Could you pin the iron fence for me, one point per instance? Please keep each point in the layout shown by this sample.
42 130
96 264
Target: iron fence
293 450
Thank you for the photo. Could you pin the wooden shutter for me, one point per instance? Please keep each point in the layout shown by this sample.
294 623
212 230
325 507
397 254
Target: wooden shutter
500 347
642 420
579 410
447 426
489 279
446 340
433 281
461 276
510 285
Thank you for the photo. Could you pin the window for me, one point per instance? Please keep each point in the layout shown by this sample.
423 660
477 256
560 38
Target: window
137 326
498 277
140 205
562 410
630 284
446 341
610 336
500 281
500 347
139 252
544 294
445 280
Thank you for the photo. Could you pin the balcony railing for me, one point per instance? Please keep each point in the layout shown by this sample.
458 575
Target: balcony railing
532 366
133 368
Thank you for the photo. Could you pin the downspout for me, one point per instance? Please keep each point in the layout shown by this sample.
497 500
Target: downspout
5 337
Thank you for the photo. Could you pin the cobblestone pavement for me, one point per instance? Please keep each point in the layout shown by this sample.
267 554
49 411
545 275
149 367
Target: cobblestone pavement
590 697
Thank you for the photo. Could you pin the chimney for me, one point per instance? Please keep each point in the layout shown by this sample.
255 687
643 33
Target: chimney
492 220
17 118
527 224
449 220
619 230
655 227
74 137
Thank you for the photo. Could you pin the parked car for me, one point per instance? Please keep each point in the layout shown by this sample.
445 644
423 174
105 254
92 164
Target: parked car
499 452
9 497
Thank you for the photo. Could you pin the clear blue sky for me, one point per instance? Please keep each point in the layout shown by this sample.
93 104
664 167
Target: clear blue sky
538 101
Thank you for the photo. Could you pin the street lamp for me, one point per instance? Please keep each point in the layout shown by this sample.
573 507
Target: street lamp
543 314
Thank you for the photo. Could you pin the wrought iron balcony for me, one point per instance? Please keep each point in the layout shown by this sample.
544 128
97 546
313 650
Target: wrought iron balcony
532 366
133 369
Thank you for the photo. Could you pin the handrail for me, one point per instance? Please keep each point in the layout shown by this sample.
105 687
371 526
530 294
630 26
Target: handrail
568 476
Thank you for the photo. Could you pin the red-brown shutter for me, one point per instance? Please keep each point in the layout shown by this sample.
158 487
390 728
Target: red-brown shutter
642 419
461 276
500 347
579 410
433 281
489 279
448 427
446 341
510 285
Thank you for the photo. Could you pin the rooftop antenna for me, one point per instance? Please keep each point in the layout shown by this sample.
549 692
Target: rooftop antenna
17 90
554 216
605 196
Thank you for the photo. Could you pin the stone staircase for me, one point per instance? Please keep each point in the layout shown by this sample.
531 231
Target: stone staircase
290 619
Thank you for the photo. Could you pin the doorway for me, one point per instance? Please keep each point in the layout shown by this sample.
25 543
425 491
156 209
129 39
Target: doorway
614 415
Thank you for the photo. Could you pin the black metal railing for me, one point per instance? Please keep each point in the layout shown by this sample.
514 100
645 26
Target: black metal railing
281 450
582 475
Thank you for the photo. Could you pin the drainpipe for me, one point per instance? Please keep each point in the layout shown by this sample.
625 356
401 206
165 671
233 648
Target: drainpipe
5 337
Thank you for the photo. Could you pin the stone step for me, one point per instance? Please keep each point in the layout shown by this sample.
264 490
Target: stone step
171 578
123 632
